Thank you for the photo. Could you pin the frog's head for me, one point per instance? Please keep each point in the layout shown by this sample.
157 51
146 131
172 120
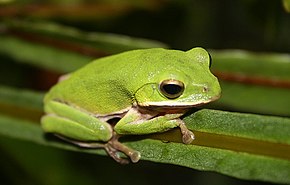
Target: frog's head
178 81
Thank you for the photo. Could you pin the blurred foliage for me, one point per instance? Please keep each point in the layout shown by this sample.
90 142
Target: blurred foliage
262 27
287 5
245 24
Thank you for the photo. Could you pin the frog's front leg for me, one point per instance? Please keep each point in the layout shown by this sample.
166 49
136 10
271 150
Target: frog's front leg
138 123
81 128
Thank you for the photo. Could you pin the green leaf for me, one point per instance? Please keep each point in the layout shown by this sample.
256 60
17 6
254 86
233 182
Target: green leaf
62 48
106 42
21 97
21 103
245 146
252 64
251 126
236 164
41 55
260 80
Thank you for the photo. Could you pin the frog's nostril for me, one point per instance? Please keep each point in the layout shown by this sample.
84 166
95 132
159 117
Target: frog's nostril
205 89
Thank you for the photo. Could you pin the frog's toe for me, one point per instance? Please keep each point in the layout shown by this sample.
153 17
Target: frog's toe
134 156
112 152
187 137
116 146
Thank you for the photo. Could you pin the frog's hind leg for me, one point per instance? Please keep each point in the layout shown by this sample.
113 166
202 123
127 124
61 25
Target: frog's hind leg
81 128
71 122
113 147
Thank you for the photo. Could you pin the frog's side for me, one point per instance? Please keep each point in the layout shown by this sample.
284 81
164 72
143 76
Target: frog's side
147 89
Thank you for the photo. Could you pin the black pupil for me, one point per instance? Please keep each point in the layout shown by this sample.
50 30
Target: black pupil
172 89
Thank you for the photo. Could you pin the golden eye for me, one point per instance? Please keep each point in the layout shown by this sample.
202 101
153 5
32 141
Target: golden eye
171 88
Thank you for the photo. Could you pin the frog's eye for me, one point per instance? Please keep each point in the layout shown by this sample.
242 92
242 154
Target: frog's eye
171 88
210 60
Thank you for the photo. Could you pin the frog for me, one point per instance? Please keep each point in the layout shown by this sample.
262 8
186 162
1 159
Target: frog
137 92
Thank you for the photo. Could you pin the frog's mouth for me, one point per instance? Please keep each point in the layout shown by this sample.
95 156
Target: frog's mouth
170 106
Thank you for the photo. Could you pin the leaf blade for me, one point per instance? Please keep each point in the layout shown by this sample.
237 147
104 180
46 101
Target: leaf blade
237 164
260 80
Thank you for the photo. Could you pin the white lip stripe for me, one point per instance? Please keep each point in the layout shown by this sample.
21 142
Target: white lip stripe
176 104
173 104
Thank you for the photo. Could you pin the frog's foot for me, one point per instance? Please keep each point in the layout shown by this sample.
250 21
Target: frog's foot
114 153
113 147
187 135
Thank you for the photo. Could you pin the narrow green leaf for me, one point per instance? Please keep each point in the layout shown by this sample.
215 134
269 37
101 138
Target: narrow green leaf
234 163
260 80
107 42
252 64
237 164
251 126
41 55
62 48
21 103
21 97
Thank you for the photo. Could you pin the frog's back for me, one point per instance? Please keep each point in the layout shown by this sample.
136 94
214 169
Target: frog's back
107 85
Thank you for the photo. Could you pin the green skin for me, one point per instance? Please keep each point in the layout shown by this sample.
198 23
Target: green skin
128 86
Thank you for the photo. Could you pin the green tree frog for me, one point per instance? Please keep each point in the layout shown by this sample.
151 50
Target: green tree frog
136 92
